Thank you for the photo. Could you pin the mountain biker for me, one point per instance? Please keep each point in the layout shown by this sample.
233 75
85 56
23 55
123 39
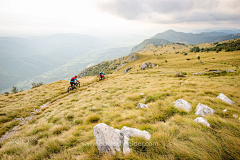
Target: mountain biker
102 74
72 81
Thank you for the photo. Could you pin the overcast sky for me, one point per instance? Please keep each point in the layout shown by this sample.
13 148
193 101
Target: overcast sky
95 17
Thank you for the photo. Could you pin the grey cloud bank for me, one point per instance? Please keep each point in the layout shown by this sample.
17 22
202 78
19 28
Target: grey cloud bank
174 11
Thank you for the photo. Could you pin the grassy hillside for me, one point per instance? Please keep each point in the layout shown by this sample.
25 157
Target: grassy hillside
64 129
156 42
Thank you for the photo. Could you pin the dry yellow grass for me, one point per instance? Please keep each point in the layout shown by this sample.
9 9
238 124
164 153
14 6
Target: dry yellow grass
65 129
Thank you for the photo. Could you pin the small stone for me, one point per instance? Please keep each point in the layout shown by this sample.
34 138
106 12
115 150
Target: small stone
141 105
202 121
142 94
225 110
235 116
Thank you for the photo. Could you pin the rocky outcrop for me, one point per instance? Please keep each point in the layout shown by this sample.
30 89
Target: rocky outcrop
110 140
182 104
127 69
225 98
147 65
132 57
141 105
204 110
144 66
202 121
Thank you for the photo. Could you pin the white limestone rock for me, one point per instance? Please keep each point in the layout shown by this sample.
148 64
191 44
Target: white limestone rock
182 104
142 94
128 132
144 66
225 98
204 110
107 138
235 116
225 110
110 140
141 105
202 121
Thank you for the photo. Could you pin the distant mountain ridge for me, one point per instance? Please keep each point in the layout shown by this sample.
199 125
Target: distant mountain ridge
171 36
146 42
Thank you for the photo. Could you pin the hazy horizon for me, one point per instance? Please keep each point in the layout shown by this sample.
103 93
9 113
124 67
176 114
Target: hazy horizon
116 17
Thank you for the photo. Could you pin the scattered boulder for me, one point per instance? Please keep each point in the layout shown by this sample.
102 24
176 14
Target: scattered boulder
204 110
128 132
225 98
108 139
142 94
225 110
202 121
182 104
144 66
127 69
235 116
141 105
230 70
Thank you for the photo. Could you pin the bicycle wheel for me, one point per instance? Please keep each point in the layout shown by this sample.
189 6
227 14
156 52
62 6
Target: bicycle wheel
69 88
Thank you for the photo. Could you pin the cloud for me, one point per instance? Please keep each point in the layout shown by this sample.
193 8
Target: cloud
173 11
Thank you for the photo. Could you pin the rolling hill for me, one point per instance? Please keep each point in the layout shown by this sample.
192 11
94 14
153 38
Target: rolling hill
48 123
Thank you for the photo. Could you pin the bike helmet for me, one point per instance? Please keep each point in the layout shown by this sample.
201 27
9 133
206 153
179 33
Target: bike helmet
76 76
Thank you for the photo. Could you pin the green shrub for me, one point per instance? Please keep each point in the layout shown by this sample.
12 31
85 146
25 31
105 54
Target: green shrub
70 117
94 118
78 121
60 129
14 89
6 93
53 147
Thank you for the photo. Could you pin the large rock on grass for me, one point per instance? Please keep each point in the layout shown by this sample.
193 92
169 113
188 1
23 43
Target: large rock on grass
225 98
182 104
107 138
204 110
128 132
110 140
202 121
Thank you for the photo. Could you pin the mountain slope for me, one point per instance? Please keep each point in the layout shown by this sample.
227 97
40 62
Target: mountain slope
146 42
63 129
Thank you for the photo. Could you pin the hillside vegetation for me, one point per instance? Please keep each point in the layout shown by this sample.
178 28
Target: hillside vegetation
64 129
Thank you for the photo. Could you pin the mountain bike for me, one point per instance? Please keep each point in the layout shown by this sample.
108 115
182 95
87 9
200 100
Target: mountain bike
75 86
